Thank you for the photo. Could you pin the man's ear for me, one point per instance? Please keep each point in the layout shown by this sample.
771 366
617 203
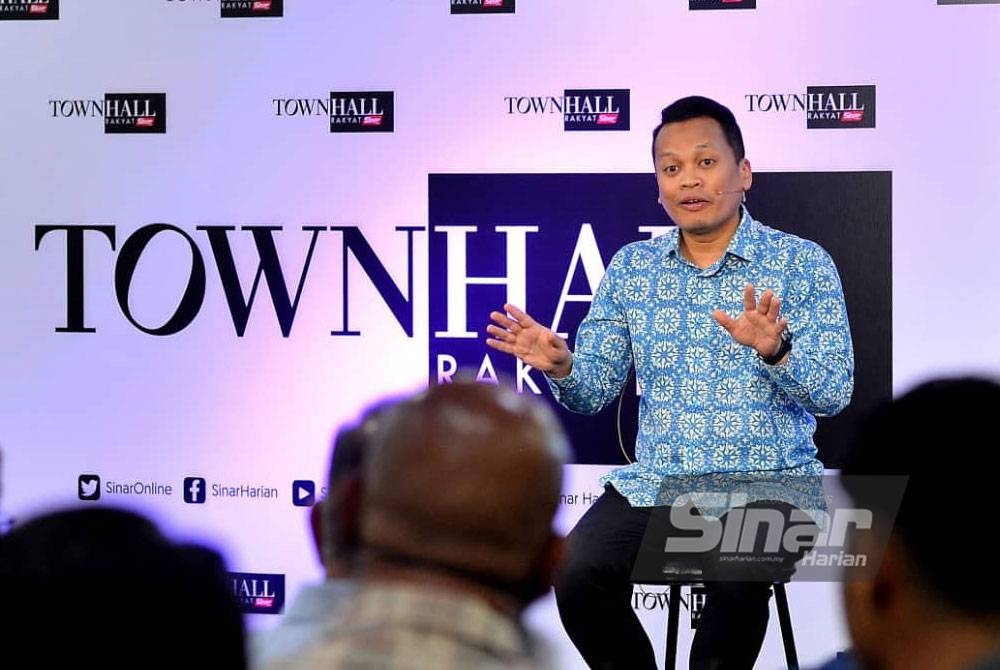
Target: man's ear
316 526
347 513
550 561
746 174
871 606
891 579
553 557
544 570
336 520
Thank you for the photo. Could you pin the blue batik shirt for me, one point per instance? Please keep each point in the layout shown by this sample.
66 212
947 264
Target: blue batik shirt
709 404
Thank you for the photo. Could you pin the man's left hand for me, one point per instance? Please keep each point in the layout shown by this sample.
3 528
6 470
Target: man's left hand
759 325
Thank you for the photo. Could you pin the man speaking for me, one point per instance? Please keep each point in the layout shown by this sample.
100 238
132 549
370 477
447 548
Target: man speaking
739 337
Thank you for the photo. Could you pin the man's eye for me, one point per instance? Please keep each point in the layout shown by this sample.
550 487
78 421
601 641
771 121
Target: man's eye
670 169
707 162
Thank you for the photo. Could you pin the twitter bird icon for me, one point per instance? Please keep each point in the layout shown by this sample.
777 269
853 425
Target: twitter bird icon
90 487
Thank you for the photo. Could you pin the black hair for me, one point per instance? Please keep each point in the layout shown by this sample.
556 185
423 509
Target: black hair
942 436
695 107
104 586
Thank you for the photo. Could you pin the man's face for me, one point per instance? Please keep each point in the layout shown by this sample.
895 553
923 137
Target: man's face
700 182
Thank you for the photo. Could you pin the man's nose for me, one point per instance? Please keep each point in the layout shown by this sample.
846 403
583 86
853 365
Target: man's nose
690 179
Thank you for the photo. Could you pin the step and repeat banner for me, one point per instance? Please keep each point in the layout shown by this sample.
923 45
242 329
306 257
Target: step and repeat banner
228 226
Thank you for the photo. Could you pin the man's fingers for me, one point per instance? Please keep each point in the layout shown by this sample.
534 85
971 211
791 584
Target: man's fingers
765 302
523 318
749 304
500 333
724 319
500 346
503 320
773 308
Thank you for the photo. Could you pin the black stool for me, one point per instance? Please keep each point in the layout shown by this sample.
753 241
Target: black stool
686 566
784 620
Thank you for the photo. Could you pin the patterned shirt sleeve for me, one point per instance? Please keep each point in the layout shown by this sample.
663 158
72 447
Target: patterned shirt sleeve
819 370
603 354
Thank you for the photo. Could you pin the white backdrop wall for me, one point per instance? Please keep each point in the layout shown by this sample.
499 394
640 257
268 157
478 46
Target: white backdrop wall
260 409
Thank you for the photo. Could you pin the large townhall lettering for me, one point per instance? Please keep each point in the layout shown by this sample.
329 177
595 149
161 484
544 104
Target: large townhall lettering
285 302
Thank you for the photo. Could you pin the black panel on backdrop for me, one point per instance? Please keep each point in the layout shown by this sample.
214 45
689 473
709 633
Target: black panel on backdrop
539 235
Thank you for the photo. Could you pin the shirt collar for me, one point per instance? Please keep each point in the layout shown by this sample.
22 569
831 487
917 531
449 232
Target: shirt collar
742 245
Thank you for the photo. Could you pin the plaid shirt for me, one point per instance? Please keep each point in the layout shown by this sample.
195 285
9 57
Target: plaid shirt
394 625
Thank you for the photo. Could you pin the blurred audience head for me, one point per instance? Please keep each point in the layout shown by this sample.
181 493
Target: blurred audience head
103 587
336 518
463 483
932 590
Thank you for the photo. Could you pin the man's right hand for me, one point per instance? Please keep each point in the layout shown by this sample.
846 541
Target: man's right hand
518 334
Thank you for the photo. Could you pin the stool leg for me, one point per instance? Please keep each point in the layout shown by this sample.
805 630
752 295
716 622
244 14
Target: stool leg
673 617
784 618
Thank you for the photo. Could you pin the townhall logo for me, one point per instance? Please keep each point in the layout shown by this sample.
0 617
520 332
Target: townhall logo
347 111
722 4
653 600
259 593
581 109
238 9
235 9
140 113
361 112
28 10
482 6
824 106
229 248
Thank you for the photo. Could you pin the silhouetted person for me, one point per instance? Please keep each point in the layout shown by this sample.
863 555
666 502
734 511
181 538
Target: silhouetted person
336 533
102 587
935 600
460 493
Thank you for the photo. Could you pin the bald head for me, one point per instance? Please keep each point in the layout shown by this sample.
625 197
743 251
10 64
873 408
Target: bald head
466 475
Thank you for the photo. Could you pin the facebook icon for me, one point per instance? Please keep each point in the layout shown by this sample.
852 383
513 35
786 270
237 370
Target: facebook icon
194 490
